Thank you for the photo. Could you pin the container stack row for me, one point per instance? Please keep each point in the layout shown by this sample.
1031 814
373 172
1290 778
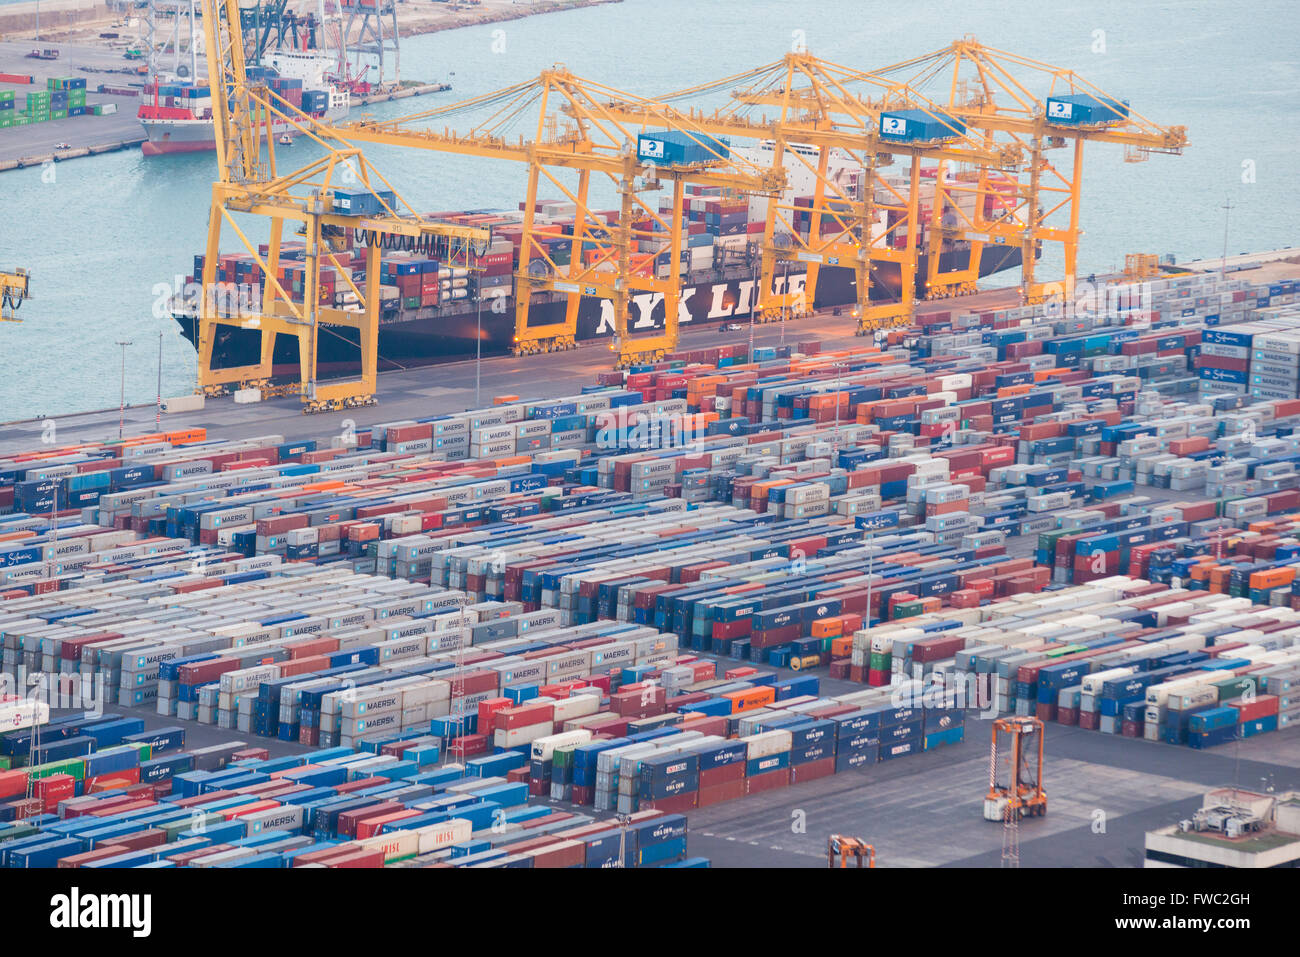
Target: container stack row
1119 655
146 801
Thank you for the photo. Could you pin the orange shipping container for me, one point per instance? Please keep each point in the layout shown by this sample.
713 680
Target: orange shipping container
826 628
1272 577
750 699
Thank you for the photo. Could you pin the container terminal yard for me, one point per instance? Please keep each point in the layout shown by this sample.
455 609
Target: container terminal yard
759 493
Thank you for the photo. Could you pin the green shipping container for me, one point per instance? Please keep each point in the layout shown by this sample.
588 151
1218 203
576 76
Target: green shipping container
5 124
174 828
11 832
411 302
1236 686
76 767
58 114
907 609
562 758
6 763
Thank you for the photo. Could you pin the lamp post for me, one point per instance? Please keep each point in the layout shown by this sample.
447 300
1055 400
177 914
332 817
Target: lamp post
785 299
121 405
158 410
478 335
753 301
623 821
1227 208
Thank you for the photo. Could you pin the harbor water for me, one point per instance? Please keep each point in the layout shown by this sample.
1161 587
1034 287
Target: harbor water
108 238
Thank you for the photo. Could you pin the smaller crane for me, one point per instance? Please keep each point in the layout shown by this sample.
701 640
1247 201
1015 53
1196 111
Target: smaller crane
843 848
1021 794
13 290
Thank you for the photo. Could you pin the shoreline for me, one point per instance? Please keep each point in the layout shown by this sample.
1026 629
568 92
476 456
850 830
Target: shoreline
413 19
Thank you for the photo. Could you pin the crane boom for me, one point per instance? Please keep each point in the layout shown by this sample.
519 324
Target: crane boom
328 202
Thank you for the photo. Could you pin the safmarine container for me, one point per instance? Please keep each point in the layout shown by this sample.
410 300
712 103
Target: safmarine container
919 125
676 147
1085 109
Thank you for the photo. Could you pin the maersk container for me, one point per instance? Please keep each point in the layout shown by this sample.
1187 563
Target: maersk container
909 126
1085 109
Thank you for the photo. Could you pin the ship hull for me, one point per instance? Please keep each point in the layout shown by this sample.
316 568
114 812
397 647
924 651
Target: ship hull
165 147
163 137
420 337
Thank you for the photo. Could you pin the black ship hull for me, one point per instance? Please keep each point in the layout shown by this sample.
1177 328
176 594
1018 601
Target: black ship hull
433 334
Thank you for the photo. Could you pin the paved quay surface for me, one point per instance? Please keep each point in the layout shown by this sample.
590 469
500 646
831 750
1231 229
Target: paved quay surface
443 388
37 141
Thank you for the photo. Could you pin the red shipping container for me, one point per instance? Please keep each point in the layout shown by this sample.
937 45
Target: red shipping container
812 770
111 782
149 837
53 789
564 853
641 703
677 804
728 772
1263 706
355 858
767 781
719 793
469 745
371 825
86 857
522 716
12 782
360 784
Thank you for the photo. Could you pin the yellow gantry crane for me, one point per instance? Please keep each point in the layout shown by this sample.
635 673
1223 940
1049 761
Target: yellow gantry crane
578 138
14 288
990 189
857 221
311 202
993 92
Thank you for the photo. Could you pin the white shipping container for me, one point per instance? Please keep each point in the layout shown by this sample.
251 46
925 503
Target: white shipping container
513 737
544 747
767 743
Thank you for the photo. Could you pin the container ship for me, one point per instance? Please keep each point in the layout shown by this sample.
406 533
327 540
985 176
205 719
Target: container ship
431 313
177 117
